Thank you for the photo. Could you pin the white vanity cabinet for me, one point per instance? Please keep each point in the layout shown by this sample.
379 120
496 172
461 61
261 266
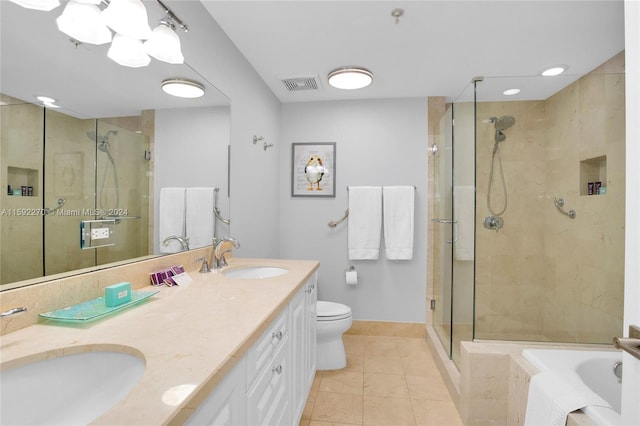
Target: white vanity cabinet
269 375
303 348
271 383
225 405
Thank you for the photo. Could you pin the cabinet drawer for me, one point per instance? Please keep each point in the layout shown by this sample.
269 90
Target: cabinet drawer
262 352
268 399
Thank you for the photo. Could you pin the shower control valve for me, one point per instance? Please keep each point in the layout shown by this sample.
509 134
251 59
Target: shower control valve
493 222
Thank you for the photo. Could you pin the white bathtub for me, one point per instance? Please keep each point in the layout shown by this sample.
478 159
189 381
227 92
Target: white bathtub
596 370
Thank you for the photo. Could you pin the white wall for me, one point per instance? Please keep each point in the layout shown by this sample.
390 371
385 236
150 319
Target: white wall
254 111
199 138
378 142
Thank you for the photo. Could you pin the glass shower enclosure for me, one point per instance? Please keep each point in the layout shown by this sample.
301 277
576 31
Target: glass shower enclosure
59 170
528 212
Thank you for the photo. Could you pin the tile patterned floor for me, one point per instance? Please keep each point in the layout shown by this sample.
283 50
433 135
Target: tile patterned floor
389 381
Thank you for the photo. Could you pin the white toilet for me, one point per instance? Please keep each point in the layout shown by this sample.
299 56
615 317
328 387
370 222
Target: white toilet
333 319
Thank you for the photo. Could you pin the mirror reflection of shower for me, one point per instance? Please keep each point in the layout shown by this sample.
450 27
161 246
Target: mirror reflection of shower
501 124
104 145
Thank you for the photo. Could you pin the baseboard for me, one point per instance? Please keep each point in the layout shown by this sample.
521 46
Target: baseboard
387 328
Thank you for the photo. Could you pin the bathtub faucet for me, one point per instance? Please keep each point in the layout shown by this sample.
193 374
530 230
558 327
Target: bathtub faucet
217 260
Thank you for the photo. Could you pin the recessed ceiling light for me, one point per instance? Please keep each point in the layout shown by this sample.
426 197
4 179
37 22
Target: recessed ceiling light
45 99
557 70
350 78
510 92
183 88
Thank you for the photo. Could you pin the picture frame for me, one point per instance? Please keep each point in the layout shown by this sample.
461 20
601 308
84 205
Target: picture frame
313 169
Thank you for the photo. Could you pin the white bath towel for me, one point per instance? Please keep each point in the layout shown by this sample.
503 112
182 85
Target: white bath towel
464 199
172 220
554 394
365 221
200 217
398 216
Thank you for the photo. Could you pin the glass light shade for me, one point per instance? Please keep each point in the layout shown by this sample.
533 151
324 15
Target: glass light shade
350 78
83 22
164 45
45 5
127 17
128 52
183 88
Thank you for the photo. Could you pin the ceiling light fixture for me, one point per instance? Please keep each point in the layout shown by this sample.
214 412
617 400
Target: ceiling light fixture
350 78
183 88
47 101
511 92
553 71
45 5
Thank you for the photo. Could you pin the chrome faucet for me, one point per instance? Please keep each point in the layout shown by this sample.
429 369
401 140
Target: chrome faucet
12 311
183 241
217 260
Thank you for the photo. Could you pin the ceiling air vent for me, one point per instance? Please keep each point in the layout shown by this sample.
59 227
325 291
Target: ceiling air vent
296 84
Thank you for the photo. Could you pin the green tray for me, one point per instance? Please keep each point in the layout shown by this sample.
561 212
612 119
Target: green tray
94 308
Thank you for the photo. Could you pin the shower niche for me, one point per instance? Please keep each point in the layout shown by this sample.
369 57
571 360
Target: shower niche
20 178
593 176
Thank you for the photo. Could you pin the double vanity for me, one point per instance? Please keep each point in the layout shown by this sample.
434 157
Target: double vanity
235 346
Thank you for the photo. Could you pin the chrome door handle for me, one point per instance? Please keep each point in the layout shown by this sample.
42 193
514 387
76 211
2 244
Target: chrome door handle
444 221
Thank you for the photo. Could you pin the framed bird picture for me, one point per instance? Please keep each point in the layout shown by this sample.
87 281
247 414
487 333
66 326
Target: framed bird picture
313 169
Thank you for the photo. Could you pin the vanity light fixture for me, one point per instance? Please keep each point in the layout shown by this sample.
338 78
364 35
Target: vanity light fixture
83 22
44 5
553 71
128 17
350 78
183 88
128 52
164 43
86 22
511 92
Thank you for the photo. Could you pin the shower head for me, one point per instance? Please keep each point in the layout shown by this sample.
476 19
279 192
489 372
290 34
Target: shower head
102 141
503 123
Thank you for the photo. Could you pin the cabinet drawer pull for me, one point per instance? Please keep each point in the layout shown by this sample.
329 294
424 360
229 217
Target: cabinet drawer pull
277 369
277 335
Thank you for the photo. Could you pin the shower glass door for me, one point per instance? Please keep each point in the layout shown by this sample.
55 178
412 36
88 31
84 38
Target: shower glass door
442 228
453 224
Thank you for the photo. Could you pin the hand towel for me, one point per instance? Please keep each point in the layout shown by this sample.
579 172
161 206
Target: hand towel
398 216
464 215
171 221
200 217
365 221
554 394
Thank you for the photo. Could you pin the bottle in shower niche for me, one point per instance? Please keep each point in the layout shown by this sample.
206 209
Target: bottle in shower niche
596 187
590 188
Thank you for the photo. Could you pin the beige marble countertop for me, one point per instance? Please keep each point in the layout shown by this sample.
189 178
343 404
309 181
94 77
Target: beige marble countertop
187 335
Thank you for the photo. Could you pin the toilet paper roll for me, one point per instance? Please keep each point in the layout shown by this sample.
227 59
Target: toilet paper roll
351 277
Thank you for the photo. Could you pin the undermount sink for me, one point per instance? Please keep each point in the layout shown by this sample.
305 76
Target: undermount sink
254 272
67 390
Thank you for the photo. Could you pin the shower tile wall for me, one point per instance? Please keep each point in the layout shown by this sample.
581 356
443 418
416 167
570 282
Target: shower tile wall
20 122
545 276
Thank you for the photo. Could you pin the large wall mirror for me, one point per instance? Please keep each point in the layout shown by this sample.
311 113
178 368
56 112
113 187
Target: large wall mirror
106 148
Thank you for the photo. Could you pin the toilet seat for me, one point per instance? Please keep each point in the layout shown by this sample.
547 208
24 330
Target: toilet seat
331 311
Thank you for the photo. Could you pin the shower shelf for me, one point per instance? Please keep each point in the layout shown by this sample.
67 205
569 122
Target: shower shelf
20 176
592 170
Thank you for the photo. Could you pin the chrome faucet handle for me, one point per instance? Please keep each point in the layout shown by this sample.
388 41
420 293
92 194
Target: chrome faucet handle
205 265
